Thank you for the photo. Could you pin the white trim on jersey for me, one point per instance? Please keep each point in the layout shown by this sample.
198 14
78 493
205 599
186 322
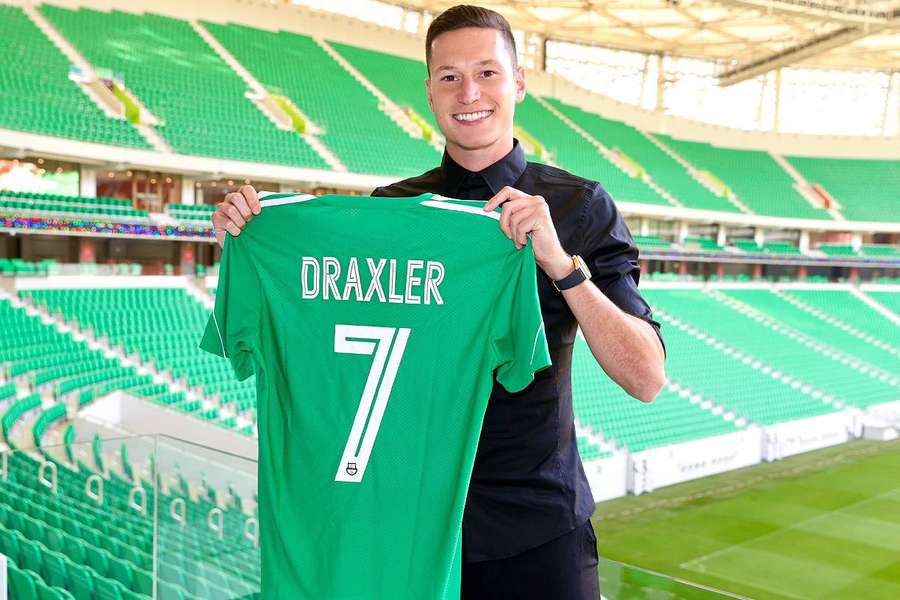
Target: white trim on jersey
285 200
219 333
536 337
459 207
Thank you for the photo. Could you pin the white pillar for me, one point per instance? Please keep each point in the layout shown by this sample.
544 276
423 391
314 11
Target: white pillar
776 120
804 241
87 182
722 236
759 236
188 191
683 231
644 227
856 241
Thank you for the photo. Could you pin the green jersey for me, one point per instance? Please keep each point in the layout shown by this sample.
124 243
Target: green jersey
375 328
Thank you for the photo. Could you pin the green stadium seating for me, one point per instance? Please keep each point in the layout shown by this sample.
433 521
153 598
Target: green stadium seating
701 244
780 349
867 190
80 207
191 212
754 176
181 80
572 152
37 95
401 79
664 169
356 130
163 326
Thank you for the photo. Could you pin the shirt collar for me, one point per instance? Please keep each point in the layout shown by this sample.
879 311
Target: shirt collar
505 171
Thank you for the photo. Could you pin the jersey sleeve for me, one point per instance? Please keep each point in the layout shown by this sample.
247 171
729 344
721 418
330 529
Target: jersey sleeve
232 329
520 342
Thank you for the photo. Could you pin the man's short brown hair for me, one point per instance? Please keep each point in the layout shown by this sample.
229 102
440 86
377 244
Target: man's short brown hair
466 15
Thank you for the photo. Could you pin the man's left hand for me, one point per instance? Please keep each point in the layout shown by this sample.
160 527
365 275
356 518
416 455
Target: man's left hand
523 216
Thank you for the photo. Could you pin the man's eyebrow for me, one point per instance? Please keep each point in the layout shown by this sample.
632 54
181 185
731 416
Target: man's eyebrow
480 63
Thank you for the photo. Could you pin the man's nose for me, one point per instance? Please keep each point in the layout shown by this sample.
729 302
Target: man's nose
469 91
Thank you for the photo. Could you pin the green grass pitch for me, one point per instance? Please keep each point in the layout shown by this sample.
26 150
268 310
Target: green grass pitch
821 526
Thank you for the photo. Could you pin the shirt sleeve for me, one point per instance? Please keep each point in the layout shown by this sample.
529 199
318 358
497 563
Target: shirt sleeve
518 334
232 330
612 256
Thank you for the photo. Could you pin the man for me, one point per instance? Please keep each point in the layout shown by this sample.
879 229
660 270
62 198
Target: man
526 529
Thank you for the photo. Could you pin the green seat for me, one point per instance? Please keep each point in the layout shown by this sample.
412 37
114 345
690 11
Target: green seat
81 582
21 584
107 589
9 543
168 591
31 554
98 559
121 571
54 568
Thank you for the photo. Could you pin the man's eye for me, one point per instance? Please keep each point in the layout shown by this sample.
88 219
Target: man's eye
489 73
448 78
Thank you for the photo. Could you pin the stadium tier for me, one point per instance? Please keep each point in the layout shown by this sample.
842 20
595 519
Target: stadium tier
192 212
573 152
363 137
57 205
745 356
162 327
200 100
867 190
37 95
755 177
664 169
401 79
60 543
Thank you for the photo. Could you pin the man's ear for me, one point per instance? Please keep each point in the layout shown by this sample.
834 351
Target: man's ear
520 83
428 94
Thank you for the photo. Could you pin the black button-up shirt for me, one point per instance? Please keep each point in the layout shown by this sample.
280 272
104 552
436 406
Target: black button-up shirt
528 485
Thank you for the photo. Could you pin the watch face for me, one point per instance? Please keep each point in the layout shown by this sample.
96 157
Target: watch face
582 267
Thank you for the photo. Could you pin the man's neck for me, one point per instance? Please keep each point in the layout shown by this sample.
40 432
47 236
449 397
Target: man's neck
481 158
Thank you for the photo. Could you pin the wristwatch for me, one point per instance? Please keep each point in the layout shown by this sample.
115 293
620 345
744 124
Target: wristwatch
581 273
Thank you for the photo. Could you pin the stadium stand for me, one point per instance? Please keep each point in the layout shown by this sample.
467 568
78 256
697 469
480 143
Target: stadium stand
363 137
573 152
757 180
797 356
191 212
162 326
37 95
46 359
401 79
58 205
767 247
179 78
664 169
850 310
701 244
865 189
603 407
791 310
60 539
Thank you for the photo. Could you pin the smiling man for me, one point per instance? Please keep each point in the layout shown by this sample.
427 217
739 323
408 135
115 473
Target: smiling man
526 530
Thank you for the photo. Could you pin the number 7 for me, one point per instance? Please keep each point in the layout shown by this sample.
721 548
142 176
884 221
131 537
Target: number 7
387 362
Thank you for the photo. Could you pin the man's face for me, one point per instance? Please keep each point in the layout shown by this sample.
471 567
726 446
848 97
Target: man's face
473 88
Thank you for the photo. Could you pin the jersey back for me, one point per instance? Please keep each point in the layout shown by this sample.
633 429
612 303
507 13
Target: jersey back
375 328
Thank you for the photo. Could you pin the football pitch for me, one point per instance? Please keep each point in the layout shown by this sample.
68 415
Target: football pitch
822 525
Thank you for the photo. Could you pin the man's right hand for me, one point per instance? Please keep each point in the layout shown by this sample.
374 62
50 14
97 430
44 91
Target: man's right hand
233 213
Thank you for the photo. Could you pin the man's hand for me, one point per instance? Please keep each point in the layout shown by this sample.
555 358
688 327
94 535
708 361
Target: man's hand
233 213
524 216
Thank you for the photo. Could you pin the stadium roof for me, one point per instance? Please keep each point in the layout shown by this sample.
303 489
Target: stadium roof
754 36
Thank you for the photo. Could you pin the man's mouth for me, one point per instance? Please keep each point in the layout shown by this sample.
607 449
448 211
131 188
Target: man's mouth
471 117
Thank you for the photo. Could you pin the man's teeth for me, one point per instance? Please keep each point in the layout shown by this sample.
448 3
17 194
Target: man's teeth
472 116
